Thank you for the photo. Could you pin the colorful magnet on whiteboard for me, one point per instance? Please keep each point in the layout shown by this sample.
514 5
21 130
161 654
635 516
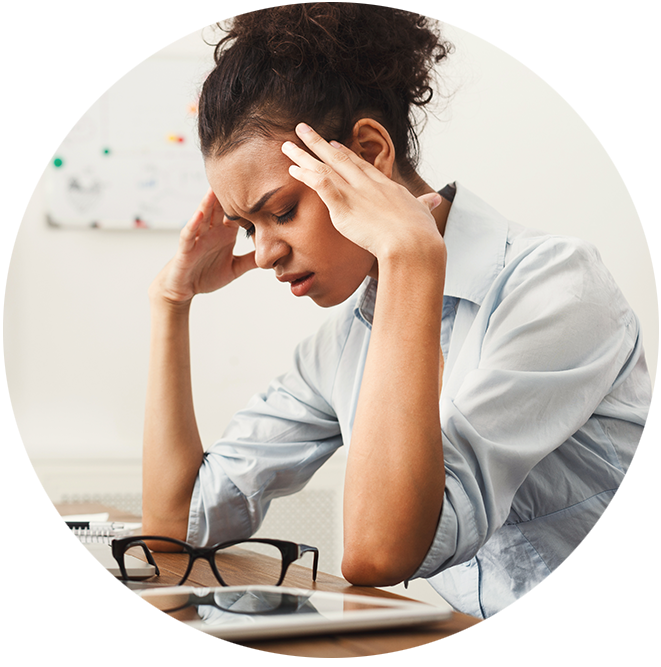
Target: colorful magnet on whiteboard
175 138
106 151
58 162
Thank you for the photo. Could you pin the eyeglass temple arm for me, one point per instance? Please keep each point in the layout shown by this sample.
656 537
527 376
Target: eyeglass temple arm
148 556
304 548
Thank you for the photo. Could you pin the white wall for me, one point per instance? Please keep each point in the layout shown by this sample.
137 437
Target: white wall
76 328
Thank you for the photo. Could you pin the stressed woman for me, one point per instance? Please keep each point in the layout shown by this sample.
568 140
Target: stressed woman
488 381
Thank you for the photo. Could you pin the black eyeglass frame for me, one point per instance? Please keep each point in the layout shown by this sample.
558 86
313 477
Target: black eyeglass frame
290 552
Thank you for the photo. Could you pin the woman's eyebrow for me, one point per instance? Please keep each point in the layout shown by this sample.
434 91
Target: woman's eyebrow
257 207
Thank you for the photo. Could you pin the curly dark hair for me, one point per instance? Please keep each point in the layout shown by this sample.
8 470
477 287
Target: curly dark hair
326 63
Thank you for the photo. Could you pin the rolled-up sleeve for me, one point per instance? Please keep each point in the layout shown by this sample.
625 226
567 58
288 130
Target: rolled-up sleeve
271 448
551 340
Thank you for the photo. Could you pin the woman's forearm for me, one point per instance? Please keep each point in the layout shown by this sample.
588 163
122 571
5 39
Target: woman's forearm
395 475
172 449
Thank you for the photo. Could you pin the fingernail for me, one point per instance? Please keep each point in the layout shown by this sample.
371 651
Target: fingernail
303 128
335 144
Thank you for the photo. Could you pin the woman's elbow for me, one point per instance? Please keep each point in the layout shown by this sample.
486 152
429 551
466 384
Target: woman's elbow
376 567
157 528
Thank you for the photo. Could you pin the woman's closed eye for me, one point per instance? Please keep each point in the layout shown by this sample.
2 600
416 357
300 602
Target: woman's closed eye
280 219
286 217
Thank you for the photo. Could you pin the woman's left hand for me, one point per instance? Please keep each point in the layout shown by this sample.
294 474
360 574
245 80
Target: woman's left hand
365 205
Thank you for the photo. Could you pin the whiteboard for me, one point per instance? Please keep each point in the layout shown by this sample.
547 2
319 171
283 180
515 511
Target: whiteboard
133 161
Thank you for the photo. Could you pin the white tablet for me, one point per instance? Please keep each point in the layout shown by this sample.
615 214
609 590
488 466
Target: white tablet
258 612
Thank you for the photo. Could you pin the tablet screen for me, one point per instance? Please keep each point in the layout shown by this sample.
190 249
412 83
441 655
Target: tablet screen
267 611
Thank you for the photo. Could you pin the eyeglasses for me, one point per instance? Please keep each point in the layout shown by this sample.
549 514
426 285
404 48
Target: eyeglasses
224 557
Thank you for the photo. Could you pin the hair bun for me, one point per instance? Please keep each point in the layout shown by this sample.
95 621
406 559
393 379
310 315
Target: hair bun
328 63
378 47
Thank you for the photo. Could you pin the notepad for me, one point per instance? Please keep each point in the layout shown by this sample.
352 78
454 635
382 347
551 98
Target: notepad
97 528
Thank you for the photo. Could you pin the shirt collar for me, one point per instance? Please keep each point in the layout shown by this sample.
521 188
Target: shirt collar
476 240
364 308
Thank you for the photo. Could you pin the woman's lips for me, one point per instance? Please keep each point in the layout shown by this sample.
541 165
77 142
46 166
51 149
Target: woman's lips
300 286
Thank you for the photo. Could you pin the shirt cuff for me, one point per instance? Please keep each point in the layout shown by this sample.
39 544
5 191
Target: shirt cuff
453 543
218 510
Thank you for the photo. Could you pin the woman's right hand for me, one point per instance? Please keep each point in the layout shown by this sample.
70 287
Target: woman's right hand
205 259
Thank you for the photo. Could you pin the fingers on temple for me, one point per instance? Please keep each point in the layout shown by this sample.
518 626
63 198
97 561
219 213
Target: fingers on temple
190 231
303 159
320 180
319 176
208 202
212 212
340 159
313 141
335 157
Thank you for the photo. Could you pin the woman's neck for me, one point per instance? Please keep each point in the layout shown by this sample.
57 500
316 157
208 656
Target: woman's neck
417 187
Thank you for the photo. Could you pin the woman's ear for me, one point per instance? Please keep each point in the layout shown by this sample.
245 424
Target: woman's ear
371 141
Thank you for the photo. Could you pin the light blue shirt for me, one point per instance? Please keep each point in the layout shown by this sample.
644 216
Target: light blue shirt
545 395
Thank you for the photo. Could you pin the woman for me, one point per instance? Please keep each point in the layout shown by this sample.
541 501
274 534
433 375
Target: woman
488 381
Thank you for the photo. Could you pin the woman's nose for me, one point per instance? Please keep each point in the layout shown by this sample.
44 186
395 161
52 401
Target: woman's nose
269 248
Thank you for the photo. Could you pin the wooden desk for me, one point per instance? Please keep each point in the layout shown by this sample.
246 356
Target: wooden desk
462 636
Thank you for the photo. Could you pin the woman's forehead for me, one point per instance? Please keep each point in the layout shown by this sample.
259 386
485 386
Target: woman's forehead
247 155
242 177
